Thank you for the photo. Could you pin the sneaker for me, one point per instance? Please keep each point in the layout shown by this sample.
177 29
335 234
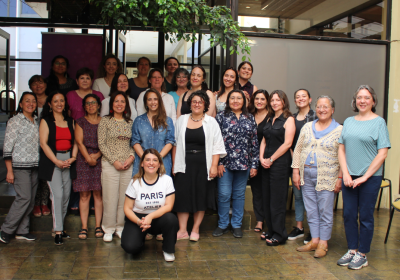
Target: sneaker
219 231
358 261
308 238
119 234
169 257
296 233
36 211
346 259
237 232
27 236
107 237
4 237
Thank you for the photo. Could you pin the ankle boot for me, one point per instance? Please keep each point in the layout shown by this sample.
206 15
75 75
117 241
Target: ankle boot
58 240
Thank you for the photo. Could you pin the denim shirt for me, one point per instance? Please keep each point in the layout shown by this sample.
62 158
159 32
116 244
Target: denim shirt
240 138
144 134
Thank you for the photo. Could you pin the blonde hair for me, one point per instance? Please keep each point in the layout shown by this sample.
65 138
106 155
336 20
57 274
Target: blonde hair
161 171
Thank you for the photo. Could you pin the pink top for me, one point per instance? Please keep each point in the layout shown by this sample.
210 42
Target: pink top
75 103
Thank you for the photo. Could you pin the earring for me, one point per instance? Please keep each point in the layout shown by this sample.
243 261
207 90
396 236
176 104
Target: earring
125 112
111 111
50 109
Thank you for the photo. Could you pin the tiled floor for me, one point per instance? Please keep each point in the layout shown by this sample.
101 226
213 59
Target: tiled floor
210 258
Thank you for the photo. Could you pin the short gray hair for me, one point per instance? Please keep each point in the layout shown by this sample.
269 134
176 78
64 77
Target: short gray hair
371 91
331 101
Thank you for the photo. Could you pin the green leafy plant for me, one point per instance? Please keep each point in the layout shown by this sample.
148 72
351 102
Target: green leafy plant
178 19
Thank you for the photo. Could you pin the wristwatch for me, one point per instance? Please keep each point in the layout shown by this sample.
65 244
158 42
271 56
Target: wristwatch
271 160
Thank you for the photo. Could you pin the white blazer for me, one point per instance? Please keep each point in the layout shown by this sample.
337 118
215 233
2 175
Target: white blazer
214 142
169 105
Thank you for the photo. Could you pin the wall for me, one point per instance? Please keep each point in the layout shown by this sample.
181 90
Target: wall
392 161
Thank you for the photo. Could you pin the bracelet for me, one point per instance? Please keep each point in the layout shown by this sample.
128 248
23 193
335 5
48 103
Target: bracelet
340 177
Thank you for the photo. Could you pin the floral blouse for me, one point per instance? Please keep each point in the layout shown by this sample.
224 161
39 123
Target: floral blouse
240 138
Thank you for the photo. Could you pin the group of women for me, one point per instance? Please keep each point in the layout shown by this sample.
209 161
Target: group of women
125 139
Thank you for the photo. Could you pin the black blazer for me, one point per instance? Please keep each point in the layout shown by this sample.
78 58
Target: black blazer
46 166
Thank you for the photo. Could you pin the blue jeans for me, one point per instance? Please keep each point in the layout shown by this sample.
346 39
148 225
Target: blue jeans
298 204
359 205
319 205
232 185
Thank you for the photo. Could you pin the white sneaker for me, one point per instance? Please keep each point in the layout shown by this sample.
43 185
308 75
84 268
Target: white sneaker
169 257
119 234
107 237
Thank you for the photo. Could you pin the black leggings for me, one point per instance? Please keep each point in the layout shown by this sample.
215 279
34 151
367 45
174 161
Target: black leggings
132 240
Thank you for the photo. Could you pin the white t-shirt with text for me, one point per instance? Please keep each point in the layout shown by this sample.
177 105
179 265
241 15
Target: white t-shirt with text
150 197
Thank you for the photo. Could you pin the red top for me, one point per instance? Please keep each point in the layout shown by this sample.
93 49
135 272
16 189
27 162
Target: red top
63 138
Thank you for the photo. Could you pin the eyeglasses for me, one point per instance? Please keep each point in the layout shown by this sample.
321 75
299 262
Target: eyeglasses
235 98
60 63
323 107
181 77
91 103
194 102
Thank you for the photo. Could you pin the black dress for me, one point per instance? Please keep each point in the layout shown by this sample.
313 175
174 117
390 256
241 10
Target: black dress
193 191
276 179
256 181
185 109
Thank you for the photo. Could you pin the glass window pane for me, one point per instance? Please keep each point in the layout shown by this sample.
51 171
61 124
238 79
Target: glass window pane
30 42
141 43
8 8
351 19
182 50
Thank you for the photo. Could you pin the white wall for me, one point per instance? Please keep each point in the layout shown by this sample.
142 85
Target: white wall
324 68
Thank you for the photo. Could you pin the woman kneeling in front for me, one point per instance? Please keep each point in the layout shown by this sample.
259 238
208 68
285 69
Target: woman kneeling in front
149 200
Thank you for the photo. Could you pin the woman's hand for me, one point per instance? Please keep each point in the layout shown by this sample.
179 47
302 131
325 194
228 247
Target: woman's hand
92 162
296 178
60 164
253 172
10 177
347 180
146 223
68 162
359 181
338 186
213 171
247 95
221 170
128 162
266 163
118 165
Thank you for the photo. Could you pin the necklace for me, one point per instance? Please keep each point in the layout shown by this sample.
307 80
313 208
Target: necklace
196 120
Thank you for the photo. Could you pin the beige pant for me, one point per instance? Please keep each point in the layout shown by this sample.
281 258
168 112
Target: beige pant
114 184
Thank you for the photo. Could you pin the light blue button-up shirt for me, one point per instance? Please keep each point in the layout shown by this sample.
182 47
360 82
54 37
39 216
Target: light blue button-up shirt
144 134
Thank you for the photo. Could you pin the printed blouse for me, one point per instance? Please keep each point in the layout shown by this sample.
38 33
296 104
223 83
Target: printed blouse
240 138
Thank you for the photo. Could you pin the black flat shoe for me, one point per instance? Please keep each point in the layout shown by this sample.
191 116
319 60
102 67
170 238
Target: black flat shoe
274 242
58 240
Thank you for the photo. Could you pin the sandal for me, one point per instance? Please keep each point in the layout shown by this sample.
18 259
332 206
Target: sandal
83 234
274 242
257 229
98 232
159 237
149 236
264 236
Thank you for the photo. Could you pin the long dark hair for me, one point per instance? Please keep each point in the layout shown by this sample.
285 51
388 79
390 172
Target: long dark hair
160 119
101 72
152 71
114 84
244 107
127 112
19 109
286 106
204 85
52 77
46 108
252 109
140 174
235 84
